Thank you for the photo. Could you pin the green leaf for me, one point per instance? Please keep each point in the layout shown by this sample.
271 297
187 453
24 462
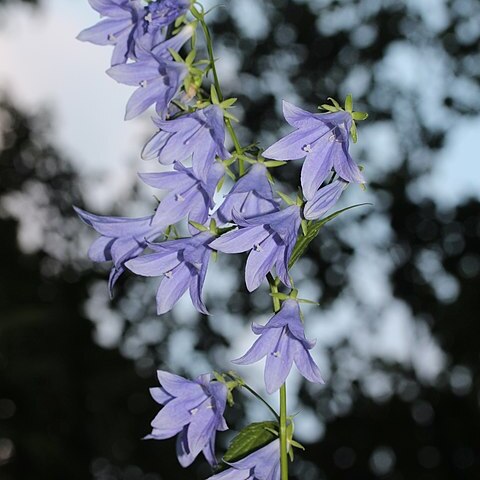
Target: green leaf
359 116
228 102
329 108
231 117
176 56
280 296
196 13
274 163
335 103
313 229
349 103
220 183
353 131
191 57
286 198
198 226
251 438
214 95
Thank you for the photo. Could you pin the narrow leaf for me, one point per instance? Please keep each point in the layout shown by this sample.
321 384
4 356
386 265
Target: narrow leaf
286 198
349 103
251 438
314 227
359 116
274 163
198 226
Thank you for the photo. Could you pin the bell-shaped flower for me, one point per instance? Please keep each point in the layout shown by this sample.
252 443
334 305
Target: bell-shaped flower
121 239
158 79
188 195
199 135
182 264
323 140
270 238
282 341
130 22
193 410
263 464
324 200
251 196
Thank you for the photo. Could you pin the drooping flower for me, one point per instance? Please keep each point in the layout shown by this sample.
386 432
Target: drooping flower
157 77
251 196
200 135
193 410
282 341
270 238
130 22
263 464
182 264
121 239
324 200
188 195
323 140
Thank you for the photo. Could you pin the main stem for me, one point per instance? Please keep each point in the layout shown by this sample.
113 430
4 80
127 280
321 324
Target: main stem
218 88
271 280
283 397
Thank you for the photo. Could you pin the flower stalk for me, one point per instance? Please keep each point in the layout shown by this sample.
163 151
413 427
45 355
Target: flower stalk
216 82
283 393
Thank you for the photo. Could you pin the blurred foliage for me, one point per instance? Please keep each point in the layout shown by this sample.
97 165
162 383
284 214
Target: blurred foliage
71 408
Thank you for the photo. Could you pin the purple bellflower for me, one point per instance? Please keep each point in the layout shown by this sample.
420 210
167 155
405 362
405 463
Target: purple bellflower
263 464
193 410
121 240
200 135
282 340
188 195
323 140
130 22
251 196
157 77
182 264
270 238
324 200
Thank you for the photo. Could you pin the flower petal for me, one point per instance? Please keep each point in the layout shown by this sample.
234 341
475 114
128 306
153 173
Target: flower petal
240 240
279 362
345 166
306 366
318 165
154 264
324 200
172 288
260 261
265 344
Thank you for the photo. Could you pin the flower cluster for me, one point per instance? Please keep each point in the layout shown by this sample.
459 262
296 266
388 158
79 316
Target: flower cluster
154 51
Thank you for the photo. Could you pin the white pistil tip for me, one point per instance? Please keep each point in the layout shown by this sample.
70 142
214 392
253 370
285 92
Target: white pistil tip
169 274
179 198
307 148
193 411
257 247
149 17
143 83
111 37
276 354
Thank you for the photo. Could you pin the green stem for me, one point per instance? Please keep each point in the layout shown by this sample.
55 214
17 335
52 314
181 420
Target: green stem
283 396
283 433
218 88
255 394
